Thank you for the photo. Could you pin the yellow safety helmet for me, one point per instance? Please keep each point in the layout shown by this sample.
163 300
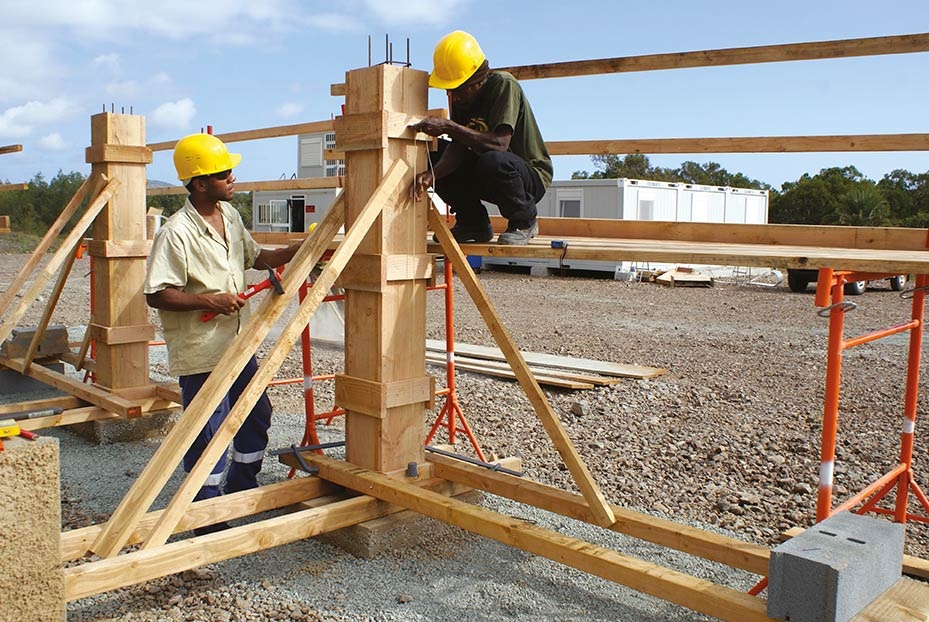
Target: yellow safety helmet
202 154
455 59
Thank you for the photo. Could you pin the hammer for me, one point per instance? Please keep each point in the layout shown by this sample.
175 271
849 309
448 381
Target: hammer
273 281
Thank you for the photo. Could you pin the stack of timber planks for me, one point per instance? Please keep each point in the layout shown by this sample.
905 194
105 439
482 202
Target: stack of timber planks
551 370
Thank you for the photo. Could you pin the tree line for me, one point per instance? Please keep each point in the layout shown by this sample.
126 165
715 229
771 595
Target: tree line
34 209
834 196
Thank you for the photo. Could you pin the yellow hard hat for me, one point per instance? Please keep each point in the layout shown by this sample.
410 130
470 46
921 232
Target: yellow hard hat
455 59
202 154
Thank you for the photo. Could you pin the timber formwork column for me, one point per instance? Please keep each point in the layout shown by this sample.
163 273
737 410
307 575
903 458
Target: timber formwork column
119 320
385 387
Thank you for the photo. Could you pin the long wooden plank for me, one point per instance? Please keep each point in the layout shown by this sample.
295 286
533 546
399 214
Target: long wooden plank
743 144
13 187
87 392
715 253
150 482
551 360
68 417
843 48
143 565
76 543
310 127
543 409
10 149
441 357
671 585
603 229
28 269
63 403
736 553
304 183
906 601
177 507
500 372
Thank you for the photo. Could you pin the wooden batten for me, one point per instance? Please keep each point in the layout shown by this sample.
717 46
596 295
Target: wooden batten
120 248
369 272
304 183
114 335
845 48
375 398
134 154
266 132
553 427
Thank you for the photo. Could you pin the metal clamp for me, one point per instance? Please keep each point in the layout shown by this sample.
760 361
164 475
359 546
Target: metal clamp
845 305
487 465
909 293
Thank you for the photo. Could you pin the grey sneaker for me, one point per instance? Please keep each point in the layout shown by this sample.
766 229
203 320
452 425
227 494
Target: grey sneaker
514 235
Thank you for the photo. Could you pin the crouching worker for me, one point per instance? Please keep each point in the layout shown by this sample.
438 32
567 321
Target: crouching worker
496 153
198 262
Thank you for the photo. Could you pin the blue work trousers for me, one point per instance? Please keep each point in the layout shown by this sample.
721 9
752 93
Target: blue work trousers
248 445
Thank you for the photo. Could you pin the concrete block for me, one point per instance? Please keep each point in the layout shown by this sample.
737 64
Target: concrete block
31 577
53 343
834 569
152 426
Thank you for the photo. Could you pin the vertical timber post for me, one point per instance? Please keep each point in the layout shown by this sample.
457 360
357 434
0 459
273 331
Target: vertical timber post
385 388
119 320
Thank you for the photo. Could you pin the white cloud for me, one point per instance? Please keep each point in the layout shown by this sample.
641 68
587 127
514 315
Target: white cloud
288 110
22 120
415 11
174 115
109 62
335 22
128 89
53 142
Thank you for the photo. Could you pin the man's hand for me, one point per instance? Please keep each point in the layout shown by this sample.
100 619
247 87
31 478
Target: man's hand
420 184
434 126
224 304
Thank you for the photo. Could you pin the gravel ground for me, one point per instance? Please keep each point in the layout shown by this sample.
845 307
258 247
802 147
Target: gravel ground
728 439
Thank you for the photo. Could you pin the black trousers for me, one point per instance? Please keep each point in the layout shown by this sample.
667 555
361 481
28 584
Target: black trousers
499 177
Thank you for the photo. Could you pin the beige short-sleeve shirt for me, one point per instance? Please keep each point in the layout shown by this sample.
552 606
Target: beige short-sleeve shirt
189 255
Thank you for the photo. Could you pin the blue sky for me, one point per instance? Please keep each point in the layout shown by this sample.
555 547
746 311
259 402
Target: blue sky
248 64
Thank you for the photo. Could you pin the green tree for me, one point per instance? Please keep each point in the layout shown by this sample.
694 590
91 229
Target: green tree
864 206
907 196
817 199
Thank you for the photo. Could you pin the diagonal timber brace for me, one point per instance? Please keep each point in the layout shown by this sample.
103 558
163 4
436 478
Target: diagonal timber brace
599 506
272 362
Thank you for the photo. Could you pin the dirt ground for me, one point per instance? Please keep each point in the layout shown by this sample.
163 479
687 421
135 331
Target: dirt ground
729 436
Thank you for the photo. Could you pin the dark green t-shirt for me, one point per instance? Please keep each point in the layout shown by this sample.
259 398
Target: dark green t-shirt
502 102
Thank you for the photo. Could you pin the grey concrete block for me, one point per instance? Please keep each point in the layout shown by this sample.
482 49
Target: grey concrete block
53 343
834 569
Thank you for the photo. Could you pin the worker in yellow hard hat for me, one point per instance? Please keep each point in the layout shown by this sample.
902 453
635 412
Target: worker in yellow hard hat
495 153
197 265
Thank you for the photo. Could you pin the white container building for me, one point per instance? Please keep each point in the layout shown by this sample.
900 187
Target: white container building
639 199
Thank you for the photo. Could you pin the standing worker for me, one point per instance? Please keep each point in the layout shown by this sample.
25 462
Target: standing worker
197 264
496 151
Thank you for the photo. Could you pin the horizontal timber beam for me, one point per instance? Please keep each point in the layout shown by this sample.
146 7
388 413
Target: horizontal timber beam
844 48
736 553
640 575
303 183
10 149
744 144
267 132
137 566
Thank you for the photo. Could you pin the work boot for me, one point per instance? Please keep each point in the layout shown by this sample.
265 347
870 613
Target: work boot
467 233
516 234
